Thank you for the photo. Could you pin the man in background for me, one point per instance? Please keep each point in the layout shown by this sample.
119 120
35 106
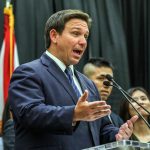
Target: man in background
96 69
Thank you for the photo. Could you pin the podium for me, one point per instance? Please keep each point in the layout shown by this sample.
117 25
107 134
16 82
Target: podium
1 143
122 145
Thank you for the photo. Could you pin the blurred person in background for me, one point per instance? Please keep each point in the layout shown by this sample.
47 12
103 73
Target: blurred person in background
141 132
96 69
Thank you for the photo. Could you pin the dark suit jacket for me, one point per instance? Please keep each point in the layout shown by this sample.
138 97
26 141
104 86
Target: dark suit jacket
9 135
117 121
43 101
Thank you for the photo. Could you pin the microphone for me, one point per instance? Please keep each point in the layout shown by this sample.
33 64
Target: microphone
107 83
125 94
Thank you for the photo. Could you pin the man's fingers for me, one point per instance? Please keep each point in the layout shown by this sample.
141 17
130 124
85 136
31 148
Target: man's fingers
118 137
84 96
102 114
132 121
97 104
90 111
134 118
126 129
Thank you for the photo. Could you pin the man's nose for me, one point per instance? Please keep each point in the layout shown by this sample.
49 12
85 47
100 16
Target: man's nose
82 41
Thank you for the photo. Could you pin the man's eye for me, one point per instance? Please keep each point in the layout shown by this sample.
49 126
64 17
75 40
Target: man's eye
100 78
86 37
75 33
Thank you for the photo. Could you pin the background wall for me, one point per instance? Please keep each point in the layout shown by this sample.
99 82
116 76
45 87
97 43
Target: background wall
120 32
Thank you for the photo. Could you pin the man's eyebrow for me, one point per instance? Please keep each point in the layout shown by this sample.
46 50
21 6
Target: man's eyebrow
78 28
101 75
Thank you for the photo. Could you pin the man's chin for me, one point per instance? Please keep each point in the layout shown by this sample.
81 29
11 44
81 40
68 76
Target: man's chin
75 61
103 98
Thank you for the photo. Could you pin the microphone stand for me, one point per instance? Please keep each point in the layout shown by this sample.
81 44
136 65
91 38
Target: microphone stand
127 96
135 108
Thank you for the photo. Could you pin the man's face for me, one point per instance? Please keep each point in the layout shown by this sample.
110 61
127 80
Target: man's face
71 44
98 78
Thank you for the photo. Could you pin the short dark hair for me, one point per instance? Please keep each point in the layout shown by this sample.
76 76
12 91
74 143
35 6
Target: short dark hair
96 62
100 62
58 20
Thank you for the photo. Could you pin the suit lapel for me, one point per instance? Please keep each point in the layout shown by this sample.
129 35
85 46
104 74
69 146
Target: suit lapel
91 124
57 73
61 78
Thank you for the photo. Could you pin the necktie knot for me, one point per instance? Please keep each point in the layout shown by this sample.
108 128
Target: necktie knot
69 73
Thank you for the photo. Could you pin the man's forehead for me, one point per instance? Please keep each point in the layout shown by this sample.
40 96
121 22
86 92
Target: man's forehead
102 71
77 24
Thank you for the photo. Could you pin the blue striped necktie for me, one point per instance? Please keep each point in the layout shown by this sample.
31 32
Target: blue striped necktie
69 74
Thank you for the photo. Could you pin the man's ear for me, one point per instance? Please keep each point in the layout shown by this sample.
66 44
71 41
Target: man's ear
53 36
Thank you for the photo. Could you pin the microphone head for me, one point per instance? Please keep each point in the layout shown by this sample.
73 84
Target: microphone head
107 83
108 77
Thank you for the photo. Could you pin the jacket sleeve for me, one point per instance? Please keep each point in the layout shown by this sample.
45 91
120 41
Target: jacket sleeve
27 101
107 132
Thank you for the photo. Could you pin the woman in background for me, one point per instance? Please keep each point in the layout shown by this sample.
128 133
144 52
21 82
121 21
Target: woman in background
141 131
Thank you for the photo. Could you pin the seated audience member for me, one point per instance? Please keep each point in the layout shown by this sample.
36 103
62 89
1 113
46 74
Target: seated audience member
96 69
141 131
8 133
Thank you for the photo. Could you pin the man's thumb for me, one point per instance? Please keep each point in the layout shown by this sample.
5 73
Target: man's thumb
84 96
134 118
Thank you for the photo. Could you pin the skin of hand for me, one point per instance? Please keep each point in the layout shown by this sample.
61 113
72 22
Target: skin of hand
126 129
90 111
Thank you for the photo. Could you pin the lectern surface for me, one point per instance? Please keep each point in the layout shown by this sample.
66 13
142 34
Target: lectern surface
122 145
1 143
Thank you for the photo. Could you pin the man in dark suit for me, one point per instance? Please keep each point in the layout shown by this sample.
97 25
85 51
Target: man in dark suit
96 69
53 105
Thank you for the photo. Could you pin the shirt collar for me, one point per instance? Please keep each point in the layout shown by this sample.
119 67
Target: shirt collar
59 63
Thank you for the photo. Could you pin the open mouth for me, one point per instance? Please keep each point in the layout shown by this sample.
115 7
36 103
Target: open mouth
77 52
